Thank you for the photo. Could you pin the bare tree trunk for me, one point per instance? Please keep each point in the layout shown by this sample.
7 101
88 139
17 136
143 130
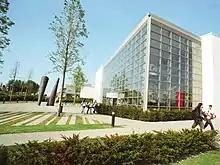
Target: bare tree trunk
25 95
12 88
74 95
61 93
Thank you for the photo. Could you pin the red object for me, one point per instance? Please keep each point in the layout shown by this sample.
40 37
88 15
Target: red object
180 99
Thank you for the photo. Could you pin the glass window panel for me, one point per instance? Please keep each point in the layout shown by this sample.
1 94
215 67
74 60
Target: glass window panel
174 89
175 44
155 36
165 47
175 57
155 51
183 60
183 47
165 54
183 53
166 33
155 28
165 86
154 77
174 80
165 61
155 43
175 37
175 50
155 60
175 64
183 40
175 72
153 85
165 69
165 78
165 40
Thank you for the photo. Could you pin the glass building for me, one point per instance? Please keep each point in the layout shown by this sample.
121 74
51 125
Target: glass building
159 65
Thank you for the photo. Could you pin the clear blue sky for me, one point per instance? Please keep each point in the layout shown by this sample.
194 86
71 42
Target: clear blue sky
109 23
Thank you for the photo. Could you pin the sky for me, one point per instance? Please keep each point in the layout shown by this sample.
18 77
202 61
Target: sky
109 23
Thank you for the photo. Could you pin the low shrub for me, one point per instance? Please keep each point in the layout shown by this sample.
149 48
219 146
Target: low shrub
148 148
19 97
138 114
78 100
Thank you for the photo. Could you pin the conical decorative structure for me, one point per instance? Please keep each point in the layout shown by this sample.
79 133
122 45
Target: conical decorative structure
53 94
43 85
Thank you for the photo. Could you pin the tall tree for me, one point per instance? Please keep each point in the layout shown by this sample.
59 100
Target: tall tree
5 24
28 84
14 75
68 28
79 79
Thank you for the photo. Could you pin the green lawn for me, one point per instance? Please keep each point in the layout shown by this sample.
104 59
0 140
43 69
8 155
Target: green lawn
42 128
210 158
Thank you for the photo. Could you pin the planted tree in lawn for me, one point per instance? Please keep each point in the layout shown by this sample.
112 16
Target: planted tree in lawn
79 79
14 75
68 28
5 24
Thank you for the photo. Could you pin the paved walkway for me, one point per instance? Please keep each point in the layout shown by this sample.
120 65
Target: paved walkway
129 127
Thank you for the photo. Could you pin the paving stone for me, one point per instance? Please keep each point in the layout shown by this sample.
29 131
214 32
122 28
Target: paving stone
35 122
5 114
91 121
25 121
51 120
15 118
84 120
63 120
73 119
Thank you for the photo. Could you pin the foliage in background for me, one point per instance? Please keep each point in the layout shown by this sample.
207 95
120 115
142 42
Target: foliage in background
136 113
148 148
69 28
78 79
5 24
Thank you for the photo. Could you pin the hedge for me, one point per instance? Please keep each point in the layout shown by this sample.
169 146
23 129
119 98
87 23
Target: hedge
19 98
78 100
136 113
148 148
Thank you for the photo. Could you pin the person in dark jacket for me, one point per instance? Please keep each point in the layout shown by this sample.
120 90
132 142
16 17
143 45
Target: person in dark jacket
198 116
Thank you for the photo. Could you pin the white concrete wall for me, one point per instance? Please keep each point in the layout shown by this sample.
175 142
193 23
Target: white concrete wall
98 95
211 70
87 92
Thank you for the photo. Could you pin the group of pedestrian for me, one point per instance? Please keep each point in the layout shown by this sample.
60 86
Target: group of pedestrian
90 107
199 114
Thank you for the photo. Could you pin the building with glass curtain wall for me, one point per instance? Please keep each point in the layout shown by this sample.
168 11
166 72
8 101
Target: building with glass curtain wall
159 65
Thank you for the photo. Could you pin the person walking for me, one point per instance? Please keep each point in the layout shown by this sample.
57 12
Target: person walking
95 107
198 116
83 104
89 107
209 115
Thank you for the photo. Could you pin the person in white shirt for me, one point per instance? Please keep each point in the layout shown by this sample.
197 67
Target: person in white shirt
209 115
83 104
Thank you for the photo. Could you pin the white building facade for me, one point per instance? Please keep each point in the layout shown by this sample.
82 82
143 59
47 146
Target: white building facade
211 70
161 65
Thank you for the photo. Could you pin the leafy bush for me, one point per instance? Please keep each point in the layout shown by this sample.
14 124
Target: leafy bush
138 114
148 148
78 100
18 97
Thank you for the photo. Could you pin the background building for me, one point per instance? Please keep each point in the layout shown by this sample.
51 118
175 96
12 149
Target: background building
159 65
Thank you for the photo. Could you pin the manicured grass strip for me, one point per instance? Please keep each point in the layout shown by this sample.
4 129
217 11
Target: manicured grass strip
11 115
14 117
68 120
4 112
14 121
54 122
79 120
41 128
47 120
97 122
36 113
209 158
87 121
